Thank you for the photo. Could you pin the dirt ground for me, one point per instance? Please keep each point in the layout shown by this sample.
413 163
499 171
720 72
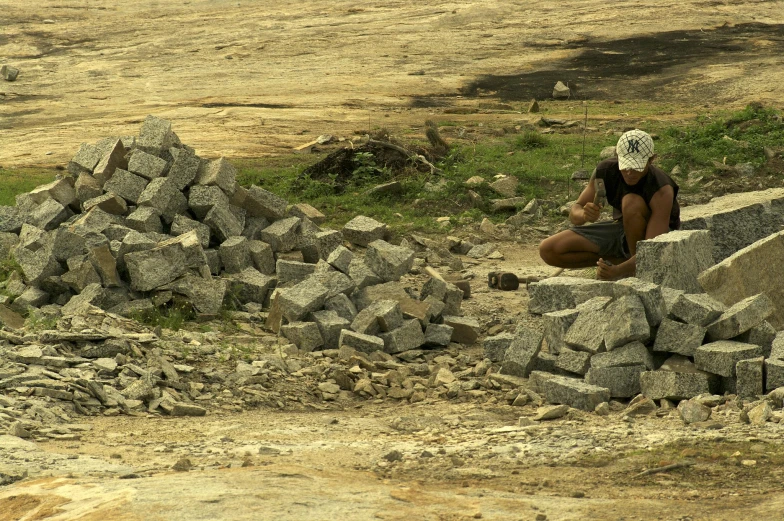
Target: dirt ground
241 80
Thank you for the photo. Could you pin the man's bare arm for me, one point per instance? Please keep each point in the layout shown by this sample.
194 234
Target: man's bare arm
583 210
661 207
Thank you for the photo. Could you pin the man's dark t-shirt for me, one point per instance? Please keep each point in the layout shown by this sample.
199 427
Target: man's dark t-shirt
650 184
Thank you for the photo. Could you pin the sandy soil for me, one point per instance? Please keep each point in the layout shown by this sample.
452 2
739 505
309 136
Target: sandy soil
241 80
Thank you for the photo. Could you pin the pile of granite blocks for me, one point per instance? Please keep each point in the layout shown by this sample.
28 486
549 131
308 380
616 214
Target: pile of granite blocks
143 222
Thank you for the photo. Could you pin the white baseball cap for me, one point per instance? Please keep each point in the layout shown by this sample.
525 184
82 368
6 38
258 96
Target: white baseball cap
634 149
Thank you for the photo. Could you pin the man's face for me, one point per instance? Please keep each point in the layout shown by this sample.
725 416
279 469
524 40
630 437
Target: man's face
632 177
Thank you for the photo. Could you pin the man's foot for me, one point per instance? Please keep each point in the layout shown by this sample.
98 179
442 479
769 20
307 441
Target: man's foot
605 270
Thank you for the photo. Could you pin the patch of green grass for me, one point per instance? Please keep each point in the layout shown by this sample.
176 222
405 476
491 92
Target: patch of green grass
15 181
173 317
530 140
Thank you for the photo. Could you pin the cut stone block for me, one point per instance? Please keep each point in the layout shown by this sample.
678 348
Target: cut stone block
330 325
741 317
253 227
81 275
698 309
627 322
10 318
262 256
774 374
220 173
360 342
559 293
146 165
570 391
342 305
634 353
108 202
299 300
85 160
622 381
761 335
588 330
747 273
49 215
736 220
495 346
306 211
293 271
577 362
105 265
281 235
156 135
261 203
31 298
361 274
127 185
556 324
405 338
438 335
750 378
184 169
650 295
145 219
520 357
380 316
388 261
87 187
112 159
61 190
465 329
675 259
182 224
235 254
659 385
363 230
777 347
722 356
251 286
326 242
202 199
37 265
222 223
677 337
152 268
205 295
340 258
446 292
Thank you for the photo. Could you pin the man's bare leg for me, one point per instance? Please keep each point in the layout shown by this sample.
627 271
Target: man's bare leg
568 249
635 222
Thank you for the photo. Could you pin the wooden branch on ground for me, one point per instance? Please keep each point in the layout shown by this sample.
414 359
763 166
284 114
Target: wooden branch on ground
665 468
412 157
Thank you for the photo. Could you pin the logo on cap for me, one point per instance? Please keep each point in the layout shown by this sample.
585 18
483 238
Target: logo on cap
633 146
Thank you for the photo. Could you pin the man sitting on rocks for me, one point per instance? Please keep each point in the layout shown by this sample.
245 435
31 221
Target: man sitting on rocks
644 204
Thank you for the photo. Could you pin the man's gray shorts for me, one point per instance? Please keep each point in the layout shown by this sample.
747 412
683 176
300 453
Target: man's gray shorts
608 235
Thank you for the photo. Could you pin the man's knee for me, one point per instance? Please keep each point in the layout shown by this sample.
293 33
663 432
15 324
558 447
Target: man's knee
547 250
634 205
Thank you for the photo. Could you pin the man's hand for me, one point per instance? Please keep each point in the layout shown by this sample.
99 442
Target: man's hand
591 212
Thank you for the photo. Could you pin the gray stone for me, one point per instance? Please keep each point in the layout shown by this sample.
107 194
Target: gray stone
145 219
306 211
405 338
675 259
156 135
576 362
670 296
774 374
736 220
551 412
692 411
722 356
108 202
91 295
105 264
222 223
556 324
261 203
11 219
94 221
85 160
570 391
37 265
253 227
10 318
342 305
218 172
520 357
9 73
151 268
127 185
650 295
262 256
481 251
202 199
622 381
363 230
81 275
390 262
187 409
750 379
504 205
326 242
31 298
334 281
380 316
438 335
340 258
299 300
559 293
360 342
495 346
741 317
293 271
305 335
446 292
506 186
163 196
281 235
205 295
49 215
698 309
670 385
113 158
184 169
235 254
762 335
627 322
465 329
361 274
677 337
330 325
587 331
634 353
146 165
777 347
181 224
61 190
252 286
